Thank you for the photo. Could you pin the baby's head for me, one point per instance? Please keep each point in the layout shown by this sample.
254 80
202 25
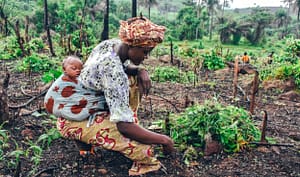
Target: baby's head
72 66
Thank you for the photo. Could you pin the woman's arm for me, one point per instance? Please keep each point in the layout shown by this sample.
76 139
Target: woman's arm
135 132
144 81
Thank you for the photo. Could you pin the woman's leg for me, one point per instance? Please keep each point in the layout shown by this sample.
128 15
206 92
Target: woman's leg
105 134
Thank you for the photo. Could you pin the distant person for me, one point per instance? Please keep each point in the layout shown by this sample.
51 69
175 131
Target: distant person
246 58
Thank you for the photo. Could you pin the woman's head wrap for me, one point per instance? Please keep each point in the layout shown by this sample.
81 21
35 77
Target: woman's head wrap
139 31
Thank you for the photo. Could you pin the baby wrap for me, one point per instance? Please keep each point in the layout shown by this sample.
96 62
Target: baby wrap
69 99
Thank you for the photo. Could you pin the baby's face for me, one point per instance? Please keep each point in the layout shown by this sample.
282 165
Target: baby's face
73 69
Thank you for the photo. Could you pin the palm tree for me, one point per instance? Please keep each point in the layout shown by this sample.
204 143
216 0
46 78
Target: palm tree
199 6
281 17
211 6
225 4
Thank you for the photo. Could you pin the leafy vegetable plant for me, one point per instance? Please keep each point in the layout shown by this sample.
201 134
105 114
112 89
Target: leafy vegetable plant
229 125
172 74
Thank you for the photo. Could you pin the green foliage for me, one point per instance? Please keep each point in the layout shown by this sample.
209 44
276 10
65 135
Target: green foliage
34 63
292 51
293 48
35 45
213 61
285 72
9 48
51 135
51 75
286 66
35 151
4 137
259 18
16 154
76 37
187 24
229 125
172 74
188 52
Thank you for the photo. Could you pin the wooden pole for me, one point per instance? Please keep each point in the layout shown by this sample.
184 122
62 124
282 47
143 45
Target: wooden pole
235 76
254 91
263 128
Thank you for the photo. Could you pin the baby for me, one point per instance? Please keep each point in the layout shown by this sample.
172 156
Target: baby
72 67
69 99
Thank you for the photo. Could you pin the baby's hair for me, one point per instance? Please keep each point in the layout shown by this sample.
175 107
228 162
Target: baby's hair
68 58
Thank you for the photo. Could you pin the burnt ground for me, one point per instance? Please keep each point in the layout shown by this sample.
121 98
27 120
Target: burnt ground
61 158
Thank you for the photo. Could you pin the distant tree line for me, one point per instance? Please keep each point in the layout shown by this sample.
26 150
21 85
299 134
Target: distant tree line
83 23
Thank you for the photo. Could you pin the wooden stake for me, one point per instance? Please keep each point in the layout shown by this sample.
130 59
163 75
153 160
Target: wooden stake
263 128
254 91
235 76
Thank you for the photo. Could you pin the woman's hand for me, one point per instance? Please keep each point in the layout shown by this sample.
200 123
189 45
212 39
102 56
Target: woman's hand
138 133
144 82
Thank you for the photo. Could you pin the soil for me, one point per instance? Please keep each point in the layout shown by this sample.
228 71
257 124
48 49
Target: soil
61 158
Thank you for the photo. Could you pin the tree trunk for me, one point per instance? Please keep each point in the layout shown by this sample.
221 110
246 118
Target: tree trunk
81 26
69 45
6 26
26 28
4 111
104 35
46 26
4 17
211 25
19 38
133 13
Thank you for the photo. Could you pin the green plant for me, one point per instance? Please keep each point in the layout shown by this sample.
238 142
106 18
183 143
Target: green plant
189 52
293 47
35 45
172 74
17 154
213 61
3 141
51 75
229 125
51 135
36 152
9 48
34 63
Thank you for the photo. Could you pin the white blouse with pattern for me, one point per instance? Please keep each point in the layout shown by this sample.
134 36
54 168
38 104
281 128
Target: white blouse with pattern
103 71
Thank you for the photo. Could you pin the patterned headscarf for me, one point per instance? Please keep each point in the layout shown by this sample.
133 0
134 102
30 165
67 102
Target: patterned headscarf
139 31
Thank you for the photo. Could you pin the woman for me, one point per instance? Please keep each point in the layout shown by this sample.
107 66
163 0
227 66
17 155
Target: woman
104 72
